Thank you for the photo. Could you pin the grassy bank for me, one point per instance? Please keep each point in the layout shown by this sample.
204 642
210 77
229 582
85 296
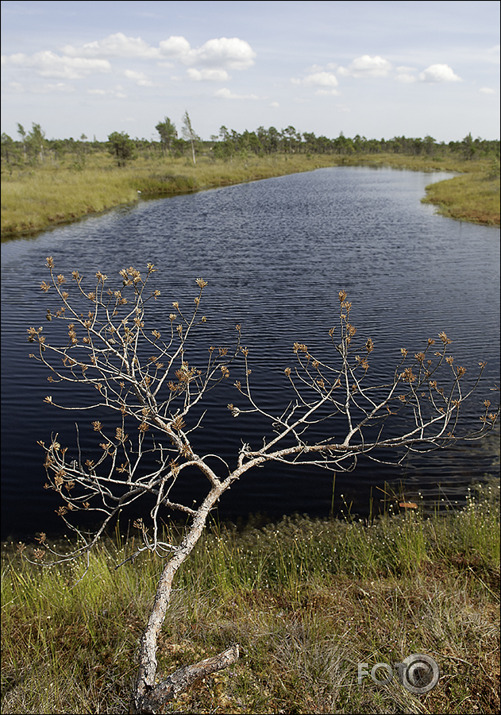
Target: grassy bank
307 600
44 196
470 197
36 198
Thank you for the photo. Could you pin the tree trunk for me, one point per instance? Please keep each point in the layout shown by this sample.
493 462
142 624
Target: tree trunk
157 698
149 696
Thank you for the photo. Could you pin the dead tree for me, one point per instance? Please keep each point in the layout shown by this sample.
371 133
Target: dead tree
145 375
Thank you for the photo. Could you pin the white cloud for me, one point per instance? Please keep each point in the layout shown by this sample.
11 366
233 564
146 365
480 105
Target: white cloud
325 82
175 46
48 64
222 53
210 62
439 73
230 53
116 45
366 66
487 90
19 58
139 78
321 79
208 75
225 93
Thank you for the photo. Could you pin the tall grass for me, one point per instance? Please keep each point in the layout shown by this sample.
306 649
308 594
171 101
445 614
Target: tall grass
306 599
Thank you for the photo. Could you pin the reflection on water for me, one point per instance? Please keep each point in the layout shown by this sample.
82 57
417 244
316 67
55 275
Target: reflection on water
275 253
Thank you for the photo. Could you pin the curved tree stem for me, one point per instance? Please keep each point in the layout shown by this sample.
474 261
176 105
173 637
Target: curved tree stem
155 700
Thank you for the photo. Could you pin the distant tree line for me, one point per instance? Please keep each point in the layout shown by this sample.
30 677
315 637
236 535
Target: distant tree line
32 147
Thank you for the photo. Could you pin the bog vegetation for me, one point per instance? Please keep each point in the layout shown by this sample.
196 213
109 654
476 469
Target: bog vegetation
307 600
51 181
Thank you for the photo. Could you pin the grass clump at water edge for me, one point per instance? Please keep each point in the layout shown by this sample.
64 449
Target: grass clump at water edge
306 599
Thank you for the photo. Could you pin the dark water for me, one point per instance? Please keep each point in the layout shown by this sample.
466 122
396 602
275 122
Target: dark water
275 253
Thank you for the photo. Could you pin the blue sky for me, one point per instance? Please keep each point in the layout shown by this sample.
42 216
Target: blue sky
378 69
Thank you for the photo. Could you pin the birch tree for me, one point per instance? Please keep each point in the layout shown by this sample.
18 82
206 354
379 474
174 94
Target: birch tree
152 380
190 135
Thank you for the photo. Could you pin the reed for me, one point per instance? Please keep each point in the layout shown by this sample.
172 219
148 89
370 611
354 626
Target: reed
307 600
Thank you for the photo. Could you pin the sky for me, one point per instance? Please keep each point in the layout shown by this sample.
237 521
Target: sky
377 69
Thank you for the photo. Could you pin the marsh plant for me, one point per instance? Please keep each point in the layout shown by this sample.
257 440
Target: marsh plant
152 378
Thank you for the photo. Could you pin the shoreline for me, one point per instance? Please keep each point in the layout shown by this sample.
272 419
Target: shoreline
472 196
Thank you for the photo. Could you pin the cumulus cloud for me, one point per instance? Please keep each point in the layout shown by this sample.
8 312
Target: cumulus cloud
116 45
19 58
208 63
222 52
226 93
208 75
230 53
439 73
175 46
324 82
366 66
487 90
48 64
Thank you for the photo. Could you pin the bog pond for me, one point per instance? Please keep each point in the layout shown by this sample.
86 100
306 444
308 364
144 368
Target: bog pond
275 254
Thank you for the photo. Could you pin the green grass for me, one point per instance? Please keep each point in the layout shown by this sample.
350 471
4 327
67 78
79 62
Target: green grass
36 198
306 599
473 198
